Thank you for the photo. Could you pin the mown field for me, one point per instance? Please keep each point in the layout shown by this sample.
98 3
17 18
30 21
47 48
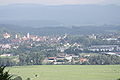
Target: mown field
68 72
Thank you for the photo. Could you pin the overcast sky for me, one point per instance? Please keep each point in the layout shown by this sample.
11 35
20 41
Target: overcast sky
60 2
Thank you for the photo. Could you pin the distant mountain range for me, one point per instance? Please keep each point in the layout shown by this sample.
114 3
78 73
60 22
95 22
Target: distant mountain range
74 30
31 15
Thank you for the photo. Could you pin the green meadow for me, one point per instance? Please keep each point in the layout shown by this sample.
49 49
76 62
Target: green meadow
67 72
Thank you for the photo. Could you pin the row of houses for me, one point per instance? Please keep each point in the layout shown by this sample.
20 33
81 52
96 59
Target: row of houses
104 48
64 58
5 46
6 55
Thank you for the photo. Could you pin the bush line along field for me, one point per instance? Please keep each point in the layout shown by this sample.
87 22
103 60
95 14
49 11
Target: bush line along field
67 72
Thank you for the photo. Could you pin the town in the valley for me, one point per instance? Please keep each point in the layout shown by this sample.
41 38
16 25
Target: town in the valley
29 49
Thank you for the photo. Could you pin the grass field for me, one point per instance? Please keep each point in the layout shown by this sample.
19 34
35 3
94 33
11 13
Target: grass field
68 72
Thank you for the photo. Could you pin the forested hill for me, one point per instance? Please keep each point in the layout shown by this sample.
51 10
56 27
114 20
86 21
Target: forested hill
4 28
59 30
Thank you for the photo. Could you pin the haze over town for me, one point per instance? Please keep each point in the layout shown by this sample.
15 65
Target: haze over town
60 39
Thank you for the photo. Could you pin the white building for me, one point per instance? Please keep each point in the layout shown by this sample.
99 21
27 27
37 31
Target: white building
28 35
69 58
6 35
103 48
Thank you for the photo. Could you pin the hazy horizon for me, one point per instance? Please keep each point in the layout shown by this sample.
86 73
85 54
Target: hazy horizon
60 2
